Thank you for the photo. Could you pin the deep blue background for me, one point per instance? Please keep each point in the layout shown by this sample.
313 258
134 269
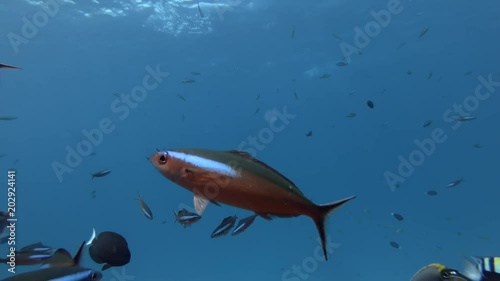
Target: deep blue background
73 64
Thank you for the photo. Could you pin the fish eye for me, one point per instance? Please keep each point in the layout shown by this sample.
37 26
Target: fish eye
162 159
447 274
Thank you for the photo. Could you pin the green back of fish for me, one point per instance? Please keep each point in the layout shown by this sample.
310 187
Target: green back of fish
242 160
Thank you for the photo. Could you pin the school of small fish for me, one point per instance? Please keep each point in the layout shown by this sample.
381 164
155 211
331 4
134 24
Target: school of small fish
249 184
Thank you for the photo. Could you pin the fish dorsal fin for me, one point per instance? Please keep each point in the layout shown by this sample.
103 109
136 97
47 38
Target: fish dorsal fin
200 204
60 258
249 157
78 255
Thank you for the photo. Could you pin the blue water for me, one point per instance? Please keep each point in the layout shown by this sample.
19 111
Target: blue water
75 61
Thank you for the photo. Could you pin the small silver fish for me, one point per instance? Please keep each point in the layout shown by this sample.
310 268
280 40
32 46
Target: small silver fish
144 207
423 31
100 174
187 81
37 247
243 224
350 115
325 76
9 66
224 227
186 218
477 145
455 182
341 63
464 118
427 123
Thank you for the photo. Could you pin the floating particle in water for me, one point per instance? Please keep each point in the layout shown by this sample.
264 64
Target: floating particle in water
431 193
309 134
397 216
271 115
395 245
370 104
427 123
341 63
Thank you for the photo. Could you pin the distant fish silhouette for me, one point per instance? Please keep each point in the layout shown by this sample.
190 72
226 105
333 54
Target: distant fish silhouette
8 66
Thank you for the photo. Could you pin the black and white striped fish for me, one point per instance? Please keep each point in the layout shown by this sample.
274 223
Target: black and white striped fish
483 268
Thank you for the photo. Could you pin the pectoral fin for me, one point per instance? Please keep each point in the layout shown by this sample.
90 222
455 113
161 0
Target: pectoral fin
200 204
106 266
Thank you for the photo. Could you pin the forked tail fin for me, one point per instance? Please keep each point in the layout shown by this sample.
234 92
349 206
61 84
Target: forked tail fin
323 212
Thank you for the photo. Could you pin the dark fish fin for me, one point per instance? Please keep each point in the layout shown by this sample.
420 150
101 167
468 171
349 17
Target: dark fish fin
8 66
266 216
60 258
273 216
106 266
175 215
319 220
93 176
78 255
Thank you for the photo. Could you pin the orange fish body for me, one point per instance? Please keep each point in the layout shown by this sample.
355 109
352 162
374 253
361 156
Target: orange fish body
235 178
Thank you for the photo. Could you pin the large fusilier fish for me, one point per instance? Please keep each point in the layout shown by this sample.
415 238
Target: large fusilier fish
236 178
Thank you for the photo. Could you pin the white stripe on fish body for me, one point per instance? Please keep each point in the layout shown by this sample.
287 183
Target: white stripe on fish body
40 256
188 218
146 214
79 276
486 264
207 164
